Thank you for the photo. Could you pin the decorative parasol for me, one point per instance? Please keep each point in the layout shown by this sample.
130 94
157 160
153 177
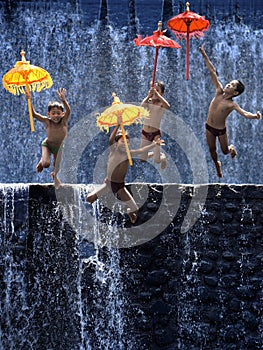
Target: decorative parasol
156 40
186 25
25 77
130 114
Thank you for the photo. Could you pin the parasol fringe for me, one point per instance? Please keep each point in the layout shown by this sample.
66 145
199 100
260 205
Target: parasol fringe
38 86
195 35
105 126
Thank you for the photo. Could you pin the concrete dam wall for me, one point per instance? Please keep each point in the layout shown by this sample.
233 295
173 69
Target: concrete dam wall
107 284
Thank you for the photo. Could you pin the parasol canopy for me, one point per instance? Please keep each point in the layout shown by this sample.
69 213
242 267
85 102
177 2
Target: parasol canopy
186 25
25 77
157 40
130 114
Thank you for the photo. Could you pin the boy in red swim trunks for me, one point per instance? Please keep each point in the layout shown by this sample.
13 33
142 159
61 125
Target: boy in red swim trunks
118 164
156 105
220 108
56 124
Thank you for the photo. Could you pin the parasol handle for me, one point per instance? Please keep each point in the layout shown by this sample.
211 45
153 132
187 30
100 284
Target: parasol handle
187 50
126 145
30 110
155 65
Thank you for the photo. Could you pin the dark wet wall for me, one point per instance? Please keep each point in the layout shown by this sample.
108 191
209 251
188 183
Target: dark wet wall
65 288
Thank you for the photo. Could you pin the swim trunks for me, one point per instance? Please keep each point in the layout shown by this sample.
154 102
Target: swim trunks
214 131
53 150
115 186
150 136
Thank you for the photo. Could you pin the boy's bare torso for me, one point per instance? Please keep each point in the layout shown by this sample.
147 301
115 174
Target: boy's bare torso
156 113
56 132
219 109
117 165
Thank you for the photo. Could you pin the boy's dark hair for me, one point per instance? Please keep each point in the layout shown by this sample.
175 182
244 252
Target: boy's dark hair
240 87
160 84
53 104
119 135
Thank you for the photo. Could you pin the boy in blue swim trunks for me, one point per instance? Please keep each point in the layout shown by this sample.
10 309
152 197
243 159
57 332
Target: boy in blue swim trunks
118 165
220 108
156 105
56 124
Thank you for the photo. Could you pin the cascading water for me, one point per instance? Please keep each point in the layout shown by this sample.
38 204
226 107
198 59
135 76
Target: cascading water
92 59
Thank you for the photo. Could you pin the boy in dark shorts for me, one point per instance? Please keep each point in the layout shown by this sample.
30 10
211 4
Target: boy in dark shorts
118 164
156 104
220 108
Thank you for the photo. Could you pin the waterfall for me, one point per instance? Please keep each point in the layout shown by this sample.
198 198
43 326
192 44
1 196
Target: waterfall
47 263
91 60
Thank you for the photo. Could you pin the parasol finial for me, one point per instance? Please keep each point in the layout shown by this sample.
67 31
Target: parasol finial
187 6
116 100
22 53
160 26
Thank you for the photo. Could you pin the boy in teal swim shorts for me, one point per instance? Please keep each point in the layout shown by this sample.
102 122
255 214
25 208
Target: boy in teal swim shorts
56 124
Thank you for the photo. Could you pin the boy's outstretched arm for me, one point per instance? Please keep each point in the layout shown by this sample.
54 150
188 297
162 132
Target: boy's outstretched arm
62 96
36 115
165 104
246 114
146 99
210 68
156 143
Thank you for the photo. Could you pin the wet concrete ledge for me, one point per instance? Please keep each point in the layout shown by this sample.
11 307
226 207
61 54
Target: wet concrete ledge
181 289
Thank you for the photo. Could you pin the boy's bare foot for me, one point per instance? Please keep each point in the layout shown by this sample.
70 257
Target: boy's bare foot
232 150
132 215
163 161
39 167
218 169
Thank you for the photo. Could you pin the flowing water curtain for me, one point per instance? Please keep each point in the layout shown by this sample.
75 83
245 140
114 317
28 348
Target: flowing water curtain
15 312
20 153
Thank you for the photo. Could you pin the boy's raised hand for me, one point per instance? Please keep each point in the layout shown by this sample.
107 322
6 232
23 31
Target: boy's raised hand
62 94
27 94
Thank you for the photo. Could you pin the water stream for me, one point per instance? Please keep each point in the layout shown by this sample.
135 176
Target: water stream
91 59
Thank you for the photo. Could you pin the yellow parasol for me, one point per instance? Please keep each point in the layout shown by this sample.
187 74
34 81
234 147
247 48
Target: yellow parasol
25 77
130 114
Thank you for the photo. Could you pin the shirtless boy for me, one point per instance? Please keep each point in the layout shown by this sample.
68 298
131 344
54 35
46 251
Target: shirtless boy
118 164
220 108
156 105
56 124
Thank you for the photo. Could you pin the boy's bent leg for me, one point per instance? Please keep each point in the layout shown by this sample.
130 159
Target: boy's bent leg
129 201
223 140
93 196
144 156
45 159
163 161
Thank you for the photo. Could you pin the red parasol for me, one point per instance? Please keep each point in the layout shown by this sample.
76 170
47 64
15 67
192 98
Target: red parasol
187 25
156 40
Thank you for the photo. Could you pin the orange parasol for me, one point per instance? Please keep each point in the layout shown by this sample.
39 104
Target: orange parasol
25 77
187 25
130 114
156 40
